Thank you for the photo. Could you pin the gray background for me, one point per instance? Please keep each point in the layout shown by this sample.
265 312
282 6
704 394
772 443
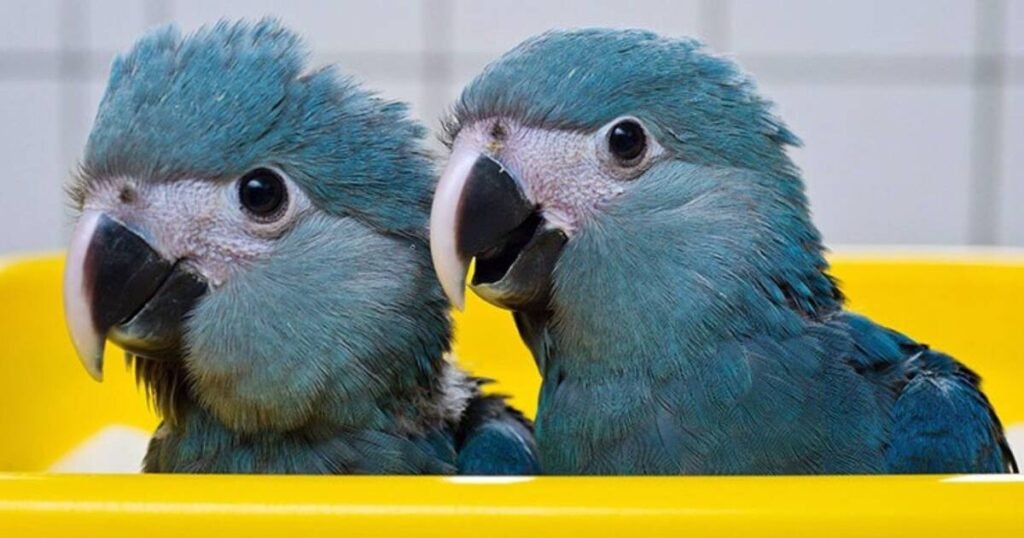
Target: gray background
912 111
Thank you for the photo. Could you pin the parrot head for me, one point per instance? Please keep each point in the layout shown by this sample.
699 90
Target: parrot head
254 230
595 172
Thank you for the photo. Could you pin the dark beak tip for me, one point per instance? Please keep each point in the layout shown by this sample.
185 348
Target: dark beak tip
122 272
137 298
526 284
498 225
491 206
157 330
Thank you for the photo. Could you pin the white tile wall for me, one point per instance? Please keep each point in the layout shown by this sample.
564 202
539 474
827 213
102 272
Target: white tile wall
438 98
1011 210
113 25
391 26
882 27
493 27
881 92
481 31
1015 26
32 25
377 71
84 116
32 206
881 165
408 92
380 43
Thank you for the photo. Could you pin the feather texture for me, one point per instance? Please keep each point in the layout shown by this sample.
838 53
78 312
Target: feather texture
323 352
693 326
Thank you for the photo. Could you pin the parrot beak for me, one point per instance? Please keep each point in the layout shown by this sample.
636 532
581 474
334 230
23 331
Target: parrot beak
480 211
117 287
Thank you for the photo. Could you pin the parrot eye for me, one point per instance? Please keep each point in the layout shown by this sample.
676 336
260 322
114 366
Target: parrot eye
627 141
262 193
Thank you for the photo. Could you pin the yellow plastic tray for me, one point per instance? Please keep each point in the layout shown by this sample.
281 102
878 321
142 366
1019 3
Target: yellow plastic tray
971 305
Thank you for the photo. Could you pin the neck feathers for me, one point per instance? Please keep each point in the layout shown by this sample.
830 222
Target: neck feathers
688 258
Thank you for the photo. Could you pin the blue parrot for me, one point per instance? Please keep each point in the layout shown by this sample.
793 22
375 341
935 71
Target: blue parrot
253 233
629 197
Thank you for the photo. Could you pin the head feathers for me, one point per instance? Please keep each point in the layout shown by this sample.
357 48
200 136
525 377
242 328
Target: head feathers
235 96
700 105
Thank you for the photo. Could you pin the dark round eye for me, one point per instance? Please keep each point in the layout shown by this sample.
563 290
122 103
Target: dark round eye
262 193
627 140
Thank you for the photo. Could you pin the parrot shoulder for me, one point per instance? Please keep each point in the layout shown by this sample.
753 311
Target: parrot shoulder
942 421
494 438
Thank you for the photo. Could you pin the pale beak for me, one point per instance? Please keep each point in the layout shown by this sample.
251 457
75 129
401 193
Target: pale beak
87 339
481 211
117 287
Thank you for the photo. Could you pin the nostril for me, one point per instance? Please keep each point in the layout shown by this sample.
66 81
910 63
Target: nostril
127 194
498 131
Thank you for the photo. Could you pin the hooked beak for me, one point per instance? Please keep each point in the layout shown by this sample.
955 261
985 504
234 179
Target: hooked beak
117 287
481 211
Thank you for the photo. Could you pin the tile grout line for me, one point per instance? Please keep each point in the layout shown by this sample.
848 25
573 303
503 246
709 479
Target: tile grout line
437 68
985 71
714 19
988 84
74 38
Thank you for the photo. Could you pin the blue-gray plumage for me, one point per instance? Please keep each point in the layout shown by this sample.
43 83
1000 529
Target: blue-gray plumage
253 233
631 199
